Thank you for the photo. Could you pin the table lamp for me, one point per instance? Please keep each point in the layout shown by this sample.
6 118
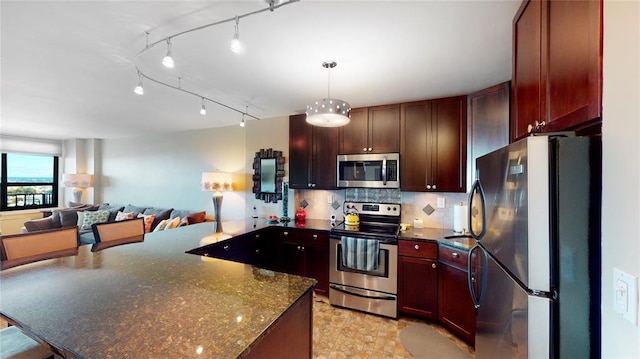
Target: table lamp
77 181
216 182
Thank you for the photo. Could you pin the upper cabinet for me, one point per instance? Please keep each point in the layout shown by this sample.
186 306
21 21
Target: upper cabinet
433 136
488 112
557 66
312 155
372 130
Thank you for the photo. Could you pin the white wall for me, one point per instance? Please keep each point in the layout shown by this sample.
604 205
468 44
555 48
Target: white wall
621 168
165 171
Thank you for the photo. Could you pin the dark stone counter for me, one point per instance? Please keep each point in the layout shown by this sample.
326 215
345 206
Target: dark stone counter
151 299
438 234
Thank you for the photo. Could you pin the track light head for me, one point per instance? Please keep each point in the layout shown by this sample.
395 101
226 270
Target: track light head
167 61
236 45
203 110
242 122
139 90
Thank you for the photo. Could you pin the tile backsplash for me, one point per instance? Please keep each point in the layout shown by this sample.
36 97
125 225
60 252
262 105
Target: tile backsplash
319 203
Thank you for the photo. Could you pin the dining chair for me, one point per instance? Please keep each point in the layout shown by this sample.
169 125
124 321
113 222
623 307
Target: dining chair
111 234
24 248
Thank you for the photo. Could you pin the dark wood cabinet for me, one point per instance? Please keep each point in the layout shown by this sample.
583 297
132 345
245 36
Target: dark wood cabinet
264 249
433 137
305 253
312 155
372 130
557 66
488 116
455 307
418 278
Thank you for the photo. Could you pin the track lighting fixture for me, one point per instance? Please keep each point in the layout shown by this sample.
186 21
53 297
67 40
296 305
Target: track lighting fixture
203 110
167 61
139 89
236 45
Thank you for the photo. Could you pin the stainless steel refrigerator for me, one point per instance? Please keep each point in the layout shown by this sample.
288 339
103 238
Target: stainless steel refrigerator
534 274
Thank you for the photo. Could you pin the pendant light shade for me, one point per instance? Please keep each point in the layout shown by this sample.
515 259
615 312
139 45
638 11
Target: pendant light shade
328 112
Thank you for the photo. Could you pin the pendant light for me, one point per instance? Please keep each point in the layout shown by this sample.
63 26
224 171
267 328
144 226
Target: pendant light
203 110
328 112
236 45
139 90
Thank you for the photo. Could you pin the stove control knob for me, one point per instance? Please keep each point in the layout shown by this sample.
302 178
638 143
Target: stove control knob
388 208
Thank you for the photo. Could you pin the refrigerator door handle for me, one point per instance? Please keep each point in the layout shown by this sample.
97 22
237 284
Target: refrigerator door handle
477 188
477 298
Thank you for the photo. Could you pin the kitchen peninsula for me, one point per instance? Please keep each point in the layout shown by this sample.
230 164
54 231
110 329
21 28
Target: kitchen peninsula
152 299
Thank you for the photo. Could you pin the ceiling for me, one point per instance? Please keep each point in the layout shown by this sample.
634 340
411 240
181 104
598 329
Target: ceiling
68 68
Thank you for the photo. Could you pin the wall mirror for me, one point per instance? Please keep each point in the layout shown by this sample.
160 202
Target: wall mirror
268 173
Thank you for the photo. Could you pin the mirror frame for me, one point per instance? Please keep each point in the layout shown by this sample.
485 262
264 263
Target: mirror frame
279 175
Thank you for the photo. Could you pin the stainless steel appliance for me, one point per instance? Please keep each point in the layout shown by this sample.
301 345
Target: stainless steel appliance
374 170
535 271
373 290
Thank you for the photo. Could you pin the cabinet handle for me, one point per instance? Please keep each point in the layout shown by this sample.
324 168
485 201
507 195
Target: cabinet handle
428 186
285 233
417 247
433 265
433 187
257 236
370 149
313 185
454 255
309 185
298 247
364 149
226 248
315 236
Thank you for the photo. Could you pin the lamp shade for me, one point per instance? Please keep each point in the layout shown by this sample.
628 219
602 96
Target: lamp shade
77 180
216 181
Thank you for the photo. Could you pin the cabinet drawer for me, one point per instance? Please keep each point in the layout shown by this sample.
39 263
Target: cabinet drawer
454 257
418 249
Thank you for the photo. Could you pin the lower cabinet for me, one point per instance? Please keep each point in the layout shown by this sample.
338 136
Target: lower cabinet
305 253
418 278
455 307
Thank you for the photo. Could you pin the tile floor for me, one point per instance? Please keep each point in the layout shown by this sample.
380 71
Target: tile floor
343 333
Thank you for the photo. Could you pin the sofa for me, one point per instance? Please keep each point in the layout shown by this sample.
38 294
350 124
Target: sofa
83 216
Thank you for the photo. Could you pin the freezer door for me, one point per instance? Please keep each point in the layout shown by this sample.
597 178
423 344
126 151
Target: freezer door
514 207
510 322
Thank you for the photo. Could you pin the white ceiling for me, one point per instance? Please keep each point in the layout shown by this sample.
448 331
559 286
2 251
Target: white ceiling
68 67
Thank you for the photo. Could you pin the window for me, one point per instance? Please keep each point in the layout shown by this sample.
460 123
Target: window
29 181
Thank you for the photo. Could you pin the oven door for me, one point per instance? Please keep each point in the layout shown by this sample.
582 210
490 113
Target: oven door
383 279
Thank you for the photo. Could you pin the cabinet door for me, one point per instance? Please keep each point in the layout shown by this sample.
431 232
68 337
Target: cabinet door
488 123
384 129
417 286
300 148
354 136
574 43
291 258
455 308
325 152
264 245
415 117
317 266
448 149
527 92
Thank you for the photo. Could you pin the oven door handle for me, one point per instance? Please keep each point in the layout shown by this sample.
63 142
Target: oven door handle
354 291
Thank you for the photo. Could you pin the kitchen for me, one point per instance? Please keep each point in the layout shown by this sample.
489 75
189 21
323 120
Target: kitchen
252 141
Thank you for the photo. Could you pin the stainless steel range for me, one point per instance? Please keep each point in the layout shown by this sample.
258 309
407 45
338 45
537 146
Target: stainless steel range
364 260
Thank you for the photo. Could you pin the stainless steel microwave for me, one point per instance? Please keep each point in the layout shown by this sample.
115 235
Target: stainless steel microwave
373 170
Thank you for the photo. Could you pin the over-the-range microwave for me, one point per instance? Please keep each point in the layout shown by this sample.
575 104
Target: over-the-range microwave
373 170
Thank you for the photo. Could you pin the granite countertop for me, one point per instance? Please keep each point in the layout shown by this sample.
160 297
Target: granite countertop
149 299
438 234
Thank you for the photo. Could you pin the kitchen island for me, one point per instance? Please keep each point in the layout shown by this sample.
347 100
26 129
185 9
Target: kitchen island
153 300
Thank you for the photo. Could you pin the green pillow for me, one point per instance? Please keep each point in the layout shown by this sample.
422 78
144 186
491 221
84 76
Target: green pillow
91 217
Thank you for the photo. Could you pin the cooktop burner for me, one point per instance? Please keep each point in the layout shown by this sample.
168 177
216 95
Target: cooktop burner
376 220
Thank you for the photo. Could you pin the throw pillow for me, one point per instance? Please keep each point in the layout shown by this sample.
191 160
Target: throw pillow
172 223
80 218
135 209
91 217
121 216
161 225
148 221
160 214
